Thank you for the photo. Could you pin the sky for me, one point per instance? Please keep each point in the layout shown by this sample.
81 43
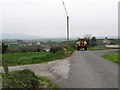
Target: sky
47 18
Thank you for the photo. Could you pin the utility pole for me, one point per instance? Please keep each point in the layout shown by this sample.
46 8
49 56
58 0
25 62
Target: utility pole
67 21
68 29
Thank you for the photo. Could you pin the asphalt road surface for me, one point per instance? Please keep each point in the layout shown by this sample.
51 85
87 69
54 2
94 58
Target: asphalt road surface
89 70
84 69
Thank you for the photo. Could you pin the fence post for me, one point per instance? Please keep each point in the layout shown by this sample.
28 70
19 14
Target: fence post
5 66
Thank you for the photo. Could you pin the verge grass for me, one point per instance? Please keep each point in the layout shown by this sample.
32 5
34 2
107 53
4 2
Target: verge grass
31 57
114 57
98 47
25 79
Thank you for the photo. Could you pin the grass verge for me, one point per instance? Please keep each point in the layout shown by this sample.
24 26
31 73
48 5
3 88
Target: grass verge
15 59
31 57
25 79
114 57
99 47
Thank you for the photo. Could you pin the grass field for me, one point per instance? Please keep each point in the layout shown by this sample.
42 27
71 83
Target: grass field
98 47
114 57
31 57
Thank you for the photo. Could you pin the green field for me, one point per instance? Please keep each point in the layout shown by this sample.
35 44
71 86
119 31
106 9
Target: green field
98 47
114 57
31 57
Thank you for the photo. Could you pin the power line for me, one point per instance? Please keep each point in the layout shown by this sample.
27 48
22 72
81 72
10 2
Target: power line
71 29
64 7
68 22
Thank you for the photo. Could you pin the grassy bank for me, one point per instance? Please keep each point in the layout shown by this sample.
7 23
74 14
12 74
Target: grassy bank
31 57
114 57
25 79
15 59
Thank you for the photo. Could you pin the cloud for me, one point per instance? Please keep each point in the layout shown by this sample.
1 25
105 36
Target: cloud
47 18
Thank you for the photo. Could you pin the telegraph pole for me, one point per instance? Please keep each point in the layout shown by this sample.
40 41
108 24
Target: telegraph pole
67 21
68 29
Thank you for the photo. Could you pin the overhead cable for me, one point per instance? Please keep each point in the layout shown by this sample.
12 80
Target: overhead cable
64 7
72 31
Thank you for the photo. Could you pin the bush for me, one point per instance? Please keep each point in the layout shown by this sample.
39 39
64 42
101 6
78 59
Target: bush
20 79
4 48
25 79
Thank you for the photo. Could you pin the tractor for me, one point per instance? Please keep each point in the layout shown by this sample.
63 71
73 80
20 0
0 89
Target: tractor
81 44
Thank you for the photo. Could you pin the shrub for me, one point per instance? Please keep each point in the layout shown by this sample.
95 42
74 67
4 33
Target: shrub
4 48
20 79
25 79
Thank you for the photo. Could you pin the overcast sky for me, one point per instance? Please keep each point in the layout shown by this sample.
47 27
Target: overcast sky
46 18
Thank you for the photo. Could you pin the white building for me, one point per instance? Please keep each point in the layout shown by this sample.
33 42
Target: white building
38 43
13 44
30 44
106 41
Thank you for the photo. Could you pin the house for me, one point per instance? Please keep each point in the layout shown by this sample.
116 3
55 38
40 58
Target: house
38 43
13 44
113 46
47 49
30 44
106 41
21 43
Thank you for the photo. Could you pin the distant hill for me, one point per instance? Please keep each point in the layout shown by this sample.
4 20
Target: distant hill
14 37
109 37
19 36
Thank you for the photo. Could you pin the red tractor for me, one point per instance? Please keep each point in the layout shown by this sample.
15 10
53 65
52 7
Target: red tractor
81 44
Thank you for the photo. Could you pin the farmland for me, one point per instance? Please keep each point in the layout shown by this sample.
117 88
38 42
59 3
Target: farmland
31 57
21 55
33 54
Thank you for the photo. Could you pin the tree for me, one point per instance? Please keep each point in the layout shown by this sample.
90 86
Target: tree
4 48
106 41
4 63
93 41
88 37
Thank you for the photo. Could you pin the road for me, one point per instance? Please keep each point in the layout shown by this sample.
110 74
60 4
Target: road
52 70
89 70
84 69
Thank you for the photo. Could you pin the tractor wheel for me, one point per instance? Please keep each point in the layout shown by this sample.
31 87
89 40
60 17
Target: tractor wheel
85 48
